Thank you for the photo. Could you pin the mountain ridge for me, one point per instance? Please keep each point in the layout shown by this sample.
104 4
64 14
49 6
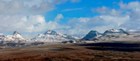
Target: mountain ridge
53 36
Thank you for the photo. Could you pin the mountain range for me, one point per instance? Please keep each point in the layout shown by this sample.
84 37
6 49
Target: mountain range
51 36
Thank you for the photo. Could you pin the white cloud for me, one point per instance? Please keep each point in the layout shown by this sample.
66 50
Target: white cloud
27 15
131 9
106 11
33 23
22 23
80 26
59 17
24 7
115 20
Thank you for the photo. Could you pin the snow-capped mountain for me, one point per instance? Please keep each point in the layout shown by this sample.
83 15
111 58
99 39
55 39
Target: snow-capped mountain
115 35
107 35
53 36
15 37
92 35
115 32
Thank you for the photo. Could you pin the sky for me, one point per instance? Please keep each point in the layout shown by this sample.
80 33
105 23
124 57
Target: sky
73 17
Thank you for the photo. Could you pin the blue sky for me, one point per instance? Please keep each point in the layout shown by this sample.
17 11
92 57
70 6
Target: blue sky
82 8
74 17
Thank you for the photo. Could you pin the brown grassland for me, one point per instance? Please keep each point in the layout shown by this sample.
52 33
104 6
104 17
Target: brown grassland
66 52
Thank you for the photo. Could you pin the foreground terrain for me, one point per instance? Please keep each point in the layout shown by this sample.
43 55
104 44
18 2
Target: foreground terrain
66 52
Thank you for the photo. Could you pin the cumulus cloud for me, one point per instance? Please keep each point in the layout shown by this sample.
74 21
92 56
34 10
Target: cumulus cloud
59 17
22 23
131 9
33 23
29 6
25 6
82 25
27 15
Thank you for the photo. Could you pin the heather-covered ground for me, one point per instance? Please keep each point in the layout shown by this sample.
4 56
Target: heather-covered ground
67 52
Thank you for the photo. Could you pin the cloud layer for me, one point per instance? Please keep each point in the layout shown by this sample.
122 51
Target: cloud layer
126 17
28 16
